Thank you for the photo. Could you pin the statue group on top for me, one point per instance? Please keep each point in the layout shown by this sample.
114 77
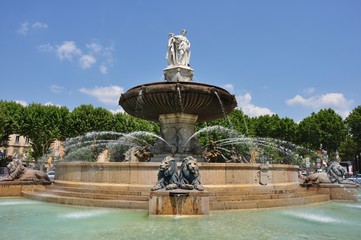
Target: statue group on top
178 53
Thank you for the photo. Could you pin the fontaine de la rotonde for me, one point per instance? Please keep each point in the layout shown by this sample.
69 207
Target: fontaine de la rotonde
174 186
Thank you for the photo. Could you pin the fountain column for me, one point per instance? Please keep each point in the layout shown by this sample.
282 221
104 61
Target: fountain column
177 128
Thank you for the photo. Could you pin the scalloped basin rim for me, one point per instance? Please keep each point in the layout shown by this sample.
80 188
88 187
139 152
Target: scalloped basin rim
148 101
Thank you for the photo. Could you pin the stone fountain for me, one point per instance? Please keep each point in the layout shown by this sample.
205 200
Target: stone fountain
178 103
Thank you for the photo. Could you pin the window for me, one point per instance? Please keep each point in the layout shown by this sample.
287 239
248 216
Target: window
17 139
26 141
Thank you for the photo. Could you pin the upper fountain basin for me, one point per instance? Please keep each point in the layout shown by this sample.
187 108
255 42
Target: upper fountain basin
148 101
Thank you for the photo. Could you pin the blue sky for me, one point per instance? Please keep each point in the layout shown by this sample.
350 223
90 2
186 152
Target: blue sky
286 57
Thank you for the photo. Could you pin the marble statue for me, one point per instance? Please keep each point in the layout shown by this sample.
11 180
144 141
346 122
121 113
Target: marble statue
178 53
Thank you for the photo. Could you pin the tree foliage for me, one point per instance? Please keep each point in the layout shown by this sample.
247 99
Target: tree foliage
11 120
86 118
43 124
325 127
125 123
353 123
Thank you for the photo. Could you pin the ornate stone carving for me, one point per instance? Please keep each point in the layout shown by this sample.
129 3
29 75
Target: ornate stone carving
18 172
167 175
178 53
189 177
335 174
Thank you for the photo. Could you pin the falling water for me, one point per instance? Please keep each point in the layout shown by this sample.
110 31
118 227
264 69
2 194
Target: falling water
139 104
178 199
82 145
216 128
223 111
180 98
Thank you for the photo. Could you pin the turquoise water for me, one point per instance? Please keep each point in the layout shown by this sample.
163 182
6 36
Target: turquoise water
27 219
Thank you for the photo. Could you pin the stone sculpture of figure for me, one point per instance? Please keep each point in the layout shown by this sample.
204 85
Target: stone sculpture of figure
171 51
189 177
211 154
178 53
167 175
335 174
235 157
138 154
17 172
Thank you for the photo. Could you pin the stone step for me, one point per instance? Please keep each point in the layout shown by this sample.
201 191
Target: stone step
255 192
104 186
248 196
97 190
252 187
54 198
92 195
268 203
221 197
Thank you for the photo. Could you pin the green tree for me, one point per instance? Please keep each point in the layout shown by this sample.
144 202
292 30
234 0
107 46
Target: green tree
125 123
348 149
267 126
288 130
353 123
86 118
43 124
11 120
326 128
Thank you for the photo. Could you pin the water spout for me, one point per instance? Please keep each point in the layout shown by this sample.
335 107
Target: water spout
180 97
177 200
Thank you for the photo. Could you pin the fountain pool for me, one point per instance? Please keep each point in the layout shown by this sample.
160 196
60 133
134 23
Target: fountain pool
29 219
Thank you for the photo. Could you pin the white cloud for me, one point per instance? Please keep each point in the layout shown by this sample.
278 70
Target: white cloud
67 50
46 47
336 101
244 102
309 91
24 28
103 69
86 61
39 25
118 110
52 104
94 47
108 95
229 87
56 89
22 102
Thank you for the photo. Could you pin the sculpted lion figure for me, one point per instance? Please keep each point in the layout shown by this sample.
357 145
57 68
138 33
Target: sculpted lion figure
17 172
189 177
335 174
167 175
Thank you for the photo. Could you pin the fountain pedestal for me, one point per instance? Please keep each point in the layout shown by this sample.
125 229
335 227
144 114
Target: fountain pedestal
178 74
178 202
177 128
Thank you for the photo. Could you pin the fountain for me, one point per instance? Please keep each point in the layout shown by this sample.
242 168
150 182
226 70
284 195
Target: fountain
178 103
